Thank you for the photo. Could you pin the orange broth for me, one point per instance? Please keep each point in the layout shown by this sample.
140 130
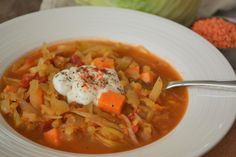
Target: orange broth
175 100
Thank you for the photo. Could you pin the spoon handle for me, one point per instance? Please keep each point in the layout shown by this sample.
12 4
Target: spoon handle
222 85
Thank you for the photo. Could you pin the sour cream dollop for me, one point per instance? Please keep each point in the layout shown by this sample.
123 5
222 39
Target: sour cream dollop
86 83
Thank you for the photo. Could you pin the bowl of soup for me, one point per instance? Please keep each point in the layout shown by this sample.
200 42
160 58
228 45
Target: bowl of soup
76 83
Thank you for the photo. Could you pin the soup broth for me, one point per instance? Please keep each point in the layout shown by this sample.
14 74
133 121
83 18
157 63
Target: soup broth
141 113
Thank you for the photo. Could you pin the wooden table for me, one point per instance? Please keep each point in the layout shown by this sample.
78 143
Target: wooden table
13 8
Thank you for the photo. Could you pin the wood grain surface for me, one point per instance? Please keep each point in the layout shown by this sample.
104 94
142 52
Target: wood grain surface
13 8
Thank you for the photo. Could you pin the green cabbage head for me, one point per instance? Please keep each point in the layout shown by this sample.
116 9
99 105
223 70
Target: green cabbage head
181 11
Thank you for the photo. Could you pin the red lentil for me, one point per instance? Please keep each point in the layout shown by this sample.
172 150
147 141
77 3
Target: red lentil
218 31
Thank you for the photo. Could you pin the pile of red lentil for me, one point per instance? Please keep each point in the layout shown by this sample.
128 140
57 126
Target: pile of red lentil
218 31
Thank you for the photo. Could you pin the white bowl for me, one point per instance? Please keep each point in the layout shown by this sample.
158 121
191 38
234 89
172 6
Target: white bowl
210 113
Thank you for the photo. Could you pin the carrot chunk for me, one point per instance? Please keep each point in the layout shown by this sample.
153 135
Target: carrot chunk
147 77
9 89
111 102
52 137
104 62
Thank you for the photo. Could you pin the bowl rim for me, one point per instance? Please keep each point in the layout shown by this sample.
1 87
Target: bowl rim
18 19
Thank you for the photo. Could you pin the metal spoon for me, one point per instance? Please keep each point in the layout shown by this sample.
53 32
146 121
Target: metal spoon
221 85
230 54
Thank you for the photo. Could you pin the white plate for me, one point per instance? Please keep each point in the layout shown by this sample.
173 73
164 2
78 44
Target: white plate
210 113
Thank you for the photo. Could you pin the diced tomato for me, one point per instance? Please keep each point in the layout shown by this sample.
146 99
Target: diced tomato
131 116
75 60
135 128
48 62
43 126
42 79
26 80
